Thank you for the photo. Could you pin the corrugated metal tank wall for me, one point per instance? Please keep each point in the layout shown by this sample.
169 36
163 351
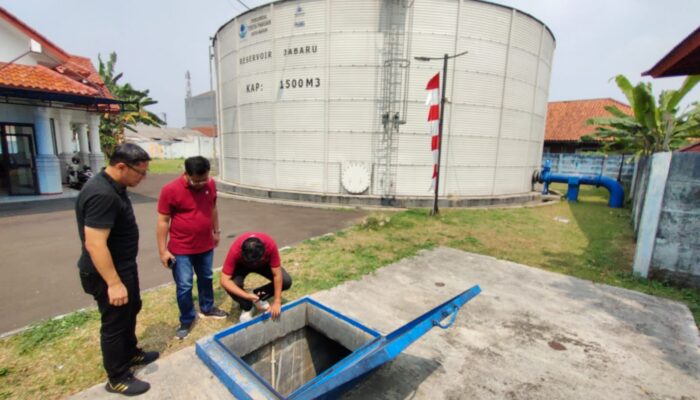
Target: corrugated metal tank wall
300 87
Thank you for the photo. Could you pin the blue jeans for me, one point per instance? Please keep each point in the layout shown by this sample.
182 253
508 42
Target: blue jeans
183 270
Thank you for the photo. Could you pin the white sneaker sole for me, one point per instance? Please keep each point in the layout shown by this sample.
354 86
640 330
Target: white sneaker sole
201 315
264 309
181 338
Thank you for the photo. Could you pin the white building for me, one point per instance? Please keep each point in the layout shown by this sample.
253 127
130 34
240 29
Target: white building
168 143
50 106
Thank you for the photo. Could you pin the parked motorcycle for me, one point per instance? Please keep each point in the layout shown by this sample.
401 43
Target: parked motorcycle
76 176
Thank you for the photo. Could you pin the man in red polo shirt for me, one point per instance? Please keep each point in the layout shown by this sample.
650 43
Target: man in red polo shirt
188 218
255 252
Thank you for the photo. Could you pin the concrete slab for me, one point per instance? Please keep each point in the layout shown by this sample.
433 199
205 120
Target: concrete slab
530 334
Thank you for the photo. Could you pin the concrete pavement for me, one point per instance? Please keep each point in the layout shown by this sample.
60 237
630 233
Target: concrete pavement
39 246
530 334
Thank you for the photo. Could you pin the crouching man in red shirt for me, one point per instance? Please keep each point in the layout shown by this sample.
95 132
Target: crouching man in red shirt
255 252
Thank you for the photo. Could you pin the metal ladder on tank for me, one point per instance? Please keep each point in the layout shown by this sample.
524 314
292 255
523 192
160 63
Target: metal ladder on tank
393 97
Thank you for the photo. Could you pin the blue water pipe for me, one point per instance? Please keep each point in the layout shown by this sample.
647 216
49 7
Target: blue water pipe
546 176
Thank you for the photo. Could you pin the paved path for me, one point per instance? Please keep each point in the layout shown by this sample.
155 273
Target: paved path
530 334
39 247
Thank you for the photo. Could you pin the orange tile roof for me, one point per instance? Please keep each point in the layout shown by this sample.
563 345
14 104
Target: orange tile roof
73 75
38 77
566 120
82 66
206 130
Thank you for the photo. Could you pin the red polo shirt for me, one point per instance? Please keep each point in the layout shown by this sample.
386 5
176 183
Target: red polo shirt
234 257
190 211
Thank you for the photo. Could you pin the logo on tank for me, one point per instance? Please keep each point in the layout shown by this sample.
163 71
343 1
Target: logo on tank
243 31
299 18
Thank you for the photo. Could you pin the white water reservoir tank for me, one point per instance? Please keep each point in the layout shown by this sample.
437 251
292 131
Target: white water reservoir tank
324 97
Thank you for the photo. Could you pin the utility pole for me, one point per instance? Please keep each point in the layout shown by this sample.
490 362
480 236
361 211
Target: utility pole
188 87
211 58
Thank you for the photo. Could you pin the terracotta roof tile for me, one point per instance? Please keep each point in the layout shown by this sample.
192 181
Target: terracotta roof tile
38 77
566 120
83 67
209 131
73 74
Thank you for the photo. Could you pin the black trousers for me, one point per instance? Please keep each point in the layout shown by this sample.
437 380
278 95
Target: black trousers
265 291
118 330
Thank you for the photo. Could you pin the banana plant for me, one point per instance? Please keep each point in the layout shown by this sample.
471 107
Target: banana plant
113 124
652 127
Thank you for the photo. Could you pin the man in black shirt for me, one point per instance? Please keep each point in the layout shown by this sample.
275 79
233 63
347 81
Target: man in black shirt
110 241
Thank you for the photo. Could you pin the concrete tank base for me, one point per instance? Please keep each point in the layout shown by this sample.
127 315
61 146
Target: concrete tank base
376 201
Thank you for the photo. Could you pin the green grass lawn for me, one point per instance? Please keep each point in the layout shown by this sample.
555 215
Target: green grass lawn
161 166
585 239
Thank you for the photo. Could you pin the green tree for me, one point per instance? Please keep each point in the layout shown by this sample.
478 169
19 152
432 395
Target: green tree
653 126
112 125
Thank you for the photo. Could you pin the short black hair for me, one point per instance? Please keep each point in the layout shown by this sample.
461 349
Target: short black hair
129 154
252 249
197 165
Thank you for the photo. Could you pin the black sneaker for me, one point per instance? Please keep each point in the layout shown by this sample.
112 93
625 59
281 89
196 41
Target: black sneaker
144 357
129 386
214 313
183 331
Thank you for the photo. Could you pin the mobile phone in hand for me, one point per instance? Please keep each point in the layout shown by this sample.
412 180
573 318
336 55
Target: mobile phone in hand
171 263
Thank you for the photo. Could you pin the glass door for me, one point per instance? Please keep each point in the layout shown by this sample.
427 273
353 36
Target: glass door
18 164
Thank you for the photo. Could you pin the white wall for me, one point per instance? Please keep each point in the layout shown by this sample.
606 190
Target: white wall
200 146
12 44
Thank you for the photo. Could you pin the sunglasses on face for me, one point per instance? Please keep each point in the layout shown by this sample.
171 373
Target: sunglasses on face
138 171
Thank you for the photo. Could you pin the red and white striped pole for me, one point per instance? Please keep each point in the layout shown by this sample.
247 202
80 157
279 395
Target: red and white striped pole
433 102
436 143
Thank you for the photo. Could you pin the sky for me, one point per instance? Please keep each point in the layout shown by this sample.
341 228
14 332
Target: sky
158 41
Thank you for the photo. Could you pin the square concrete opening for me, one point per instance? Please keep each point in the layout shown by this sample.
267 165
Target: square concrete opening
292 360
312 351
306 341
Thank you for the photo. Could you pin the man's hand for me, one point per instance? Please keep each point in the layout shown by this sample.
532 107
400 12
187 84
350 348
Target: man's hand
217 236
165 257
118 295
276 309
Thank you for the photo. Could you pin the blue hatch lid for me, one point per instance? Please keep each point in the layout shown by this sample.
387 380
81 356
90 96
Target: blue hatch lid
381 350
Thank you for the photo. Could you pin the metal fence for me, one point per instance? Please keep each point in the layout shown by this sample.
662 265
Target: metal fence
620 167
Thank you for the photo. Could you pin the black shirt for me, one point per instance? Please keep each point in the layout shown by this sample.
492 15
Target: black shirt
104 203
